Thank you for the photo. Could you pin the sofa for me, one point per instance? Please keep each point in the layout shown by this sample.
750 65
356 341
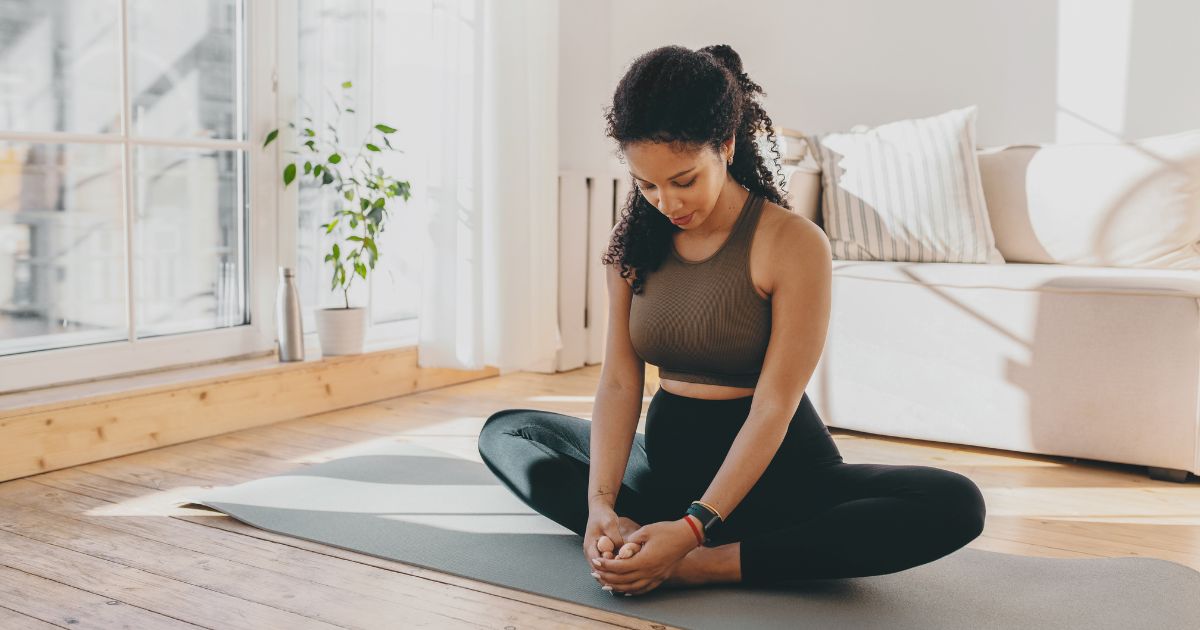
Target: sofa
1090 360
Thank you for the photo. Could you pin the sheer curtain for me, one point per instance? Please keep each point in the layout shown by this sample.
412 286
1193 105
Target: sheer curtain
489 279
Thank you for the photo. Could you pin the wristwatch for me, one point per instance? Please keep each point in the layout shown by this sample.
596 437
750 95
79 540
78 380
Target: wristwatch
707 517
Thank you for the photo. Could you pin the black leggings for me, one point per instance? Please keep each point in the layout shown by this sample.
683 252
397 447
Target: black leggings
810 515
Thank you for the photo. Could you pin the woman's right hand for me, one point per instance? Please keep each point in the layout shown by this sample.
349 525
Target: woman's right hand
601 537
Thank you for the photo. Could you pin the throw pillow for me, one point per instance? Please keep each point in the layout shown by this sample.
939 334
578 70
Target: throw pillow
906 191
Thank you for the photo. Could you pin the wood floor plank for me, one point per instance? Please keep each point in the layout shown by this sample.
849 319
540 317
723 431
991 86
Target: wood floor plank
299 595
70 607
145 590
13 620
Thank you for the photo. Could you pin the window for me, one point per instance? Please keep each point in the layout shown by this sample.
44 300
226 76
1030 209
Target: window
137 212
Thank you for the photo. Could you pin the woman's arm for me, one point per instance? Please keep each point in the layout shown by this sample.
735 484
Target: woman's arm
618 405
800 305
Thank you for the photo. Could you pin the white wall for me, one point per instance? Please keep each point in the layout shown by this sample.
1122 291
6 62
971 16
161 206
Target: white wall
1039 70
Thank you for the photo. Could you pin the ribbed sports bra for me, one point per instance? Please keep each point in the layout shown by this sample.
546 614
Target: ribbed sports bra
703 321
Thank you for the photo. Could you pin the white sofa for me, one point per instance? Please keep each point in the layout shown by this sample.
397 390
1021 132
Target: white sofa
1071 360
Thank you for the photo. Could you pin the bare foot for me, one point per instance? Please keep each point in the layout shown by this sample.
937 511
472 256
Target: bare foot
626 526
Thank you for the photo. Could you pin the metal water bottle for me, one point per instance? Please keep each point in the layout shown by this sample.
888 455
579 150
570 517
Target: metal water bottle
288 324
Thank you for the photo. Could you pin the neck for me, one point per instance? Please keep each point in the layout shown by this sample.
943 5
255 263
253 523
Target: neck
725 213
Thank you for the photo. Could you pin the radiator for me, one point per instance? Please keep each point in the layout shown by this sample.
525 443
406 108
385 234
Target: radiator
588 205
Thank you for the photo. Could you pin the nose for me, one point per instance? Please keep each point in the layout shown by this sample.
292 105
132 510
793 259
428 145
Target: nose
664 204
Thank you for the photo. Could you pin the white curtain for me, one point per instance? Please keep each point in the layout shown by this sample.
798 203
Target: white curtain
489 281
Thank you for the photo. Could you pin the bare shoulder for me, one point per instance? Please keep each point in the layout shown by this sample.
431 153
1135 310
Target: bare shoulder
791 232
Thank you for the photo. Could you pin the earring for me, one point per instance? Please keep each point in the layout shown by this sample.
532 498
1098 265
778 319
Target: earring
731 160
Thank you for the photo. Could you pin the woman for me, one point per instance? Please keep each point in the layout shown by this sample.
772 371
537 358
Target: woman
737 478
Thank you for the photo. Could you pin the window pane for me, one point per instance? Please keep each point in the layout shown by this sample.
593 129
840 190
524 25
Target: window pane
60 66
185 80
62 246
189 246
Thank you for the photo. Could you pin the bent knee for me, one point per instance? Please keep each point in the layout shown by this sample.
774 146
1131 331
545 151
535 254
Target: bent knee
499 423
963 499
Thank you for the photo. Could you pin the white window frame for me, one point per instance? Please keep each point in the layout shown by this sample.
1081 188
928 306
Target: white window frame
270 232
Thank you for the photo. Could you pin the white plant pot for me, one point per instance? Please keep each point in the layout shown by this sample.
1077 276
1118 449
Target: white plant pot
341 330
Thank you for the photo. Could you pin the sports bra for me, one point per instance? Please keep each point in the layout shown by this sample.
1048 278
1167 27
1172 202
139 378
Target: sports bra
703 321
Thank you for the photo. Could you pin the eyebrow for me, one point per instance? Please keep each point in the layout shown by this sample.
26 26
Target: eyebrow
671 177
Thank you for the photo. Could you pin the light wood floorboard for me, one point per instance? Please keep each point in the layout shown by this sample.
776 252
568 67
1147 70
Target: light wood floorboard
101 544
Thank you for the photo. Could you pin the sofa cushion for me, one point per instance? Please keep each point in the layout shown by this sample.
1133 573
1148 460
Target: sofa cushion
906 191
1108 204
1026 277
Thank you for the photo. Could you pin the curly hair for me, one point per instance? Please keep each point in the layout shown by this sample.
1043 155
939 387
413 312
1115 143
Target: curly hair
689 99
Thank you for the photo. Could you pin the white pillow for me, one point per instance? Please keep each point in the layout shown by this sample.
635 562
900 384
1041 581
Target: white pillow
906 191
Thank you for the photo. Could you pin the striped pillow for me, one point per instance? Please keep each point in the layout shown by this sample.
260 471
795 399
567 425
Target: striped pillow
906 191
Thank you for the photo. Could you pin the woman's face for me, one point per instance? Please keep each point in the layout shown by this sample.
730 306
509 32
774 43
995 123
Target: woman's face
679 184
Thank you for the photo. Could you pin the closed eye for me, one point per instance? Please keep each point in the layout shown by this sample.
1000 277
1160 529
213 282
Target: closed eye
651 186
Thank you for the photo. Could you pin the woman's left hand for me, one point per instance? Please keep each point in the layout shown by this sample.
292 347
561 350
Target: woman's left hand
662 545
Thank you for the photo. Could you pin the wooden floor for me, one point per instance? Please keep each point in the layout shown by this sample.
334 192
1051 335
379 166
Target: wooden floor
99 545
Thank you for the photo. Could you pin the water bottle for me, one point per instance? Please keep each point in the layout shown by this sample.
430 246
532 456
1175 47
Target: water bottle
288 325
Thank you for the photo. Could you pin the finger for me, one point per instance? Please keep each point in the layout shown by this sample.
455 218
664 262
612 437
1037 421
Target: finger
604 543
616 566
635 587
628 549
619 579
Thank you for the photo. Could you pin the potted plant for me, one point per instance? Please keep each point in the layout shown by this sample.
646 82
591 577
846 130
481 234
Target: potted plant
363 190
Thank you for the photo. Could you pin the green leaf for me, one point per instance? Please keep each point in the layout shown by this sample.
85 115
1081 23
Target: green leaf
346 84
371 147
317 170
337 251
326 177
289 173
364 203
335 158
328 257
353 223
307 168
376 216
388 143
370 243
349 195
270 137
332 224
354 238
379 202
361 269
350 110
311 145
385 128
309 132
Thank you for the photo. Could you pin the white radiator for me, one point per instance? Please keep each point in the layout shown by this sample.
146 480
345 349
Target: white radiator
588 204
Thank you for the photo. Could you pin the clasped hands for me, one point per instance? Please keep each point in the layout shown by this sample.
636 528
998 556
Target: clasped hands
647 557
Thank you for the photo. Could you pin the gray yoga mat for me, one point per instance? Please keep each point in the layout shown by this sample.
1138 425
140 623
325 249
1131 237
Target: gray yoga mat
406 502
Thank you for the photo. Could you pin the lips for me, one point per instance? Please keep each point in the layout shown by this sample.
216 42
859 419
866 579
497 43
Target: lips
684 220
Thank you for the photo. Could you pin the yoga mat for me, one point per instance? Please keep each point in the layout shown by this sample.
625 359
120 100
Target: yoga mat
406 502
